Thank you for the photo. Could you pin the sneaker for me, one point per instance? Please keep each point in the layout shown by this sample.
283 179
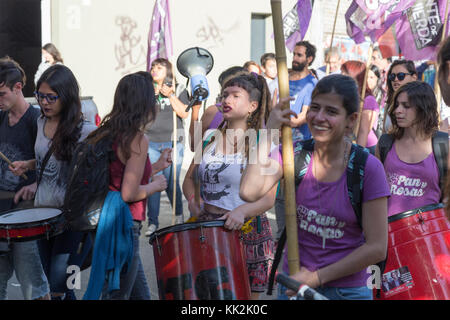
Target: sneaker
179 219
150 230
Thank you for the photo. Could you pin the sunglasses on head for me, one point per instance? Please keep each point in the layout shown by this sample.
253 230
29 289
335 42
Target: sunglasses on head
49 97
400 76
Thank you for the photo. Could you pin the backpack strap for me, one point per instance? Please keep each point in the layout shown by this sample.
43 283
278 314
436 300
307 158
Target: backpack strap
440 151
355 178
384 145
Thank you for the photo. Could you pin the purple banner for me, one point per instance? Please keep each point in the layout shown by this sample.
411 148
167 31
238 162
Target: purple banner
373 18
419 31
296 23
160 36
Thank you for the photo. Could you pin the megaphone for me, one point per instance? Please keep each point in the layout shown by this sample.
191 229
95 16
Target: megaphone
195 63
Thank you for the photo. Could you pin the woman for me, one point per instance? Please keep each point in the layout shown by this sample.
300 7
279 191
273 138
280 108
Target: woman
400 72
171 98
366 136
410 164
51 56
334 265
245 105
444 84
134 108
60 128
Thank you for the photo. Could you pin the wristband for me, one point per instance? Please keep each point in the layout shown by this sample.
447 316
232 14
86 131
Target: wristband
190 198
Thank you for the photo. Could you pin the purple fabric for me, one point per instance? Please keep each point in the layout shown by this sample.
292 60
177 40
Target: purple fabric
160 35
412 185
422 44
218 118
373 18
370 103
296 22
325 208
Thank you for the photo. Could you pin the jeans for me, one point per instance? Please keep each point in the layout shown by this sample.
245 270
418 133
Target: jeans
333 293
133 283
153 202
23 258
57 254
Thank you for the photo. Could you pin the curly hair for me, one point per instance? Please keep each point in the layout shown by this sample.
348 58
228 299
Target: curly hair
420 96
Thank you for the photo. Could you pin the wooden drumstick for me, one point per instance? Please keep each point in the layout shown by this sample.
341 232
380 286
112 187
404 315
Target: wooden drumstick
10 163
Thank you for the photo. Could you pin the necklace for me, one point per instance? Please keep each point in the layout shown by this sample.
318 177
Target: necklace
344 163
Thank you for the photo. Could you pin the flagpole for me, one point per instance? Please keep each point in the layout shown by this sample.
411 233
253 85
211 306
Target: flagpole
287 145
437 89
364 88
332 36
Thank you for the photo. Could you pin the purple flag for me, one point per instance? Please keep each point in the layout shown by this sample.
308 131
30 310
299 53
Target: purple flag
160 36
419 31
296 22
373 18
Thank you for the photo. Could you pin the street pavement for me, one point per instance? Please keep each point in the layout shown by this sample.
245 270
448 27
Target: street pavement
146 252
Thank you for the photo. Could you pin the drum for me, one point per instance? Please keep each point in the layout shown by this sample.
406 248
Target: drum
30 224
200 261
418 262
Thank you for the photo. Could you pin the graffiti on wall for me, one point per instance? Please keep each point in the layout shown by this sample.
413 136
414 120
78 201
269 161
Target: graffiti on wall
130 50
211 35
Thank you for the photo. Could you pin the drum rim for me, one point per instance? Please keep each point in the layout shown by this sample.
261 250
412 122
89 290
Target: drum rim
185 227
413 212
31 223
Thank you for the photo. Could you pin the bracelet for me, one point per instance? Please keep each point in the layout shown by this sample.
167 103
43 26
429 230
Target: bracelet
190 198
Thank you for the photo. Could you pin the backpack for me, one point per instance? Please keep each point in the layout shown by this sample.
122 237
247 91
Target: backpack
439 141
88 184
355 181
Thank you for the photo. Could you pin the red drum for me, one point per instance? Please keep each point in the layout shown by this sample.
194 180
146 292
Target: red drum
418 262
31 224
200 261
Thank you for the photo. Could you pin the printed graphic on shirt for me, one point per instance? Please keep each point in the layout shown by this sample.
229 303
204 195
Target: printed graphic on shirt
323 226
211 187
8 181
403 186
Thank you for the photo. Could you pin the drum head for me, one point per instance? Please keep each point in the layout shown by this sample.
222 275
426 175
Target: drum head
29 215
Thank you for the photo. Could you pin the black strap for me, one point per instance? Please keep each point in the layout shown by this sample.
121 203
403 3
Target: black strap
276 261
384 145
44 163
440 151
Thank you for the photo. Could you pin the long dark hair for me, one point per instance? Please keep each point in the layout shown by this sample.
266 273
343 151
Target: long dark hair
421 97
134 107
61 80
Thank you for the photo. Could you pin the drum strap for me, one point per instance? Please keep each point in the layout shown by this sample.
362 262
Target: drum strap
44 163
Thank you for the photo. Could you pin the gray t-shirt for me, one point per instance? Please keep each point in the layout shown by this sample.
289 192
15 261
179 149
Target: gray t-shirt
17 144
161 129
52 187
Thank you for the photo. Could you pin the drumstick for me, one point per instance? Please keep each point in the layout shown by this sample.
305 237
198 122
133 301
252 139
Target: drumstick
10 163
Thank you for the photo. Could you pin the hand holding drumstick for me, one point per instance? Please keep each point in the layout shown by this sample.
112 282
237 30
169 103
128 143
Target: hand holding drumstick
13 168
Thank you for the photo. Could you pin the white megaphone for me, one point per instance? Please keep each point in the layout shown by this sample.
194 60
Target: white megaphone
195 63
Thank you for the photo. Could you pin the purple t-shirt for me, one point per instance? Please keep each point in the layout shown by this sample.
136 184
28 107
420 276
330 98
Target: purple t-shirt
370 103
324 209
216 121
412 185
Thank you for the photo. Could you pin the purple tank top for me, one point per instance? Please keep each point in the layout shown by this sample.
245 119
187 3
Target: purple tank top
412 185
218 118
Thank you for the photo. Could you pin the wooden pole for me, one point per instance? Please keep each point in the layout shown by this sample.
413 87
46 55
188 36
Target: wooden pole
437 89
332 35
287 145
364 88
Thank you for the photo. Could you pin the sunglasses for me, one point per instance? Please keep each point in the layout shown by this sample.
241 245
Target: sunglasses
49 97
400 76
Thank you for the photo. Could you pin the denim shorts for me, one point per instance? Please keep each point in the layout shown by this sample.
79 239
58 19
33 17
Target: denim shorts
24 260
334 293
